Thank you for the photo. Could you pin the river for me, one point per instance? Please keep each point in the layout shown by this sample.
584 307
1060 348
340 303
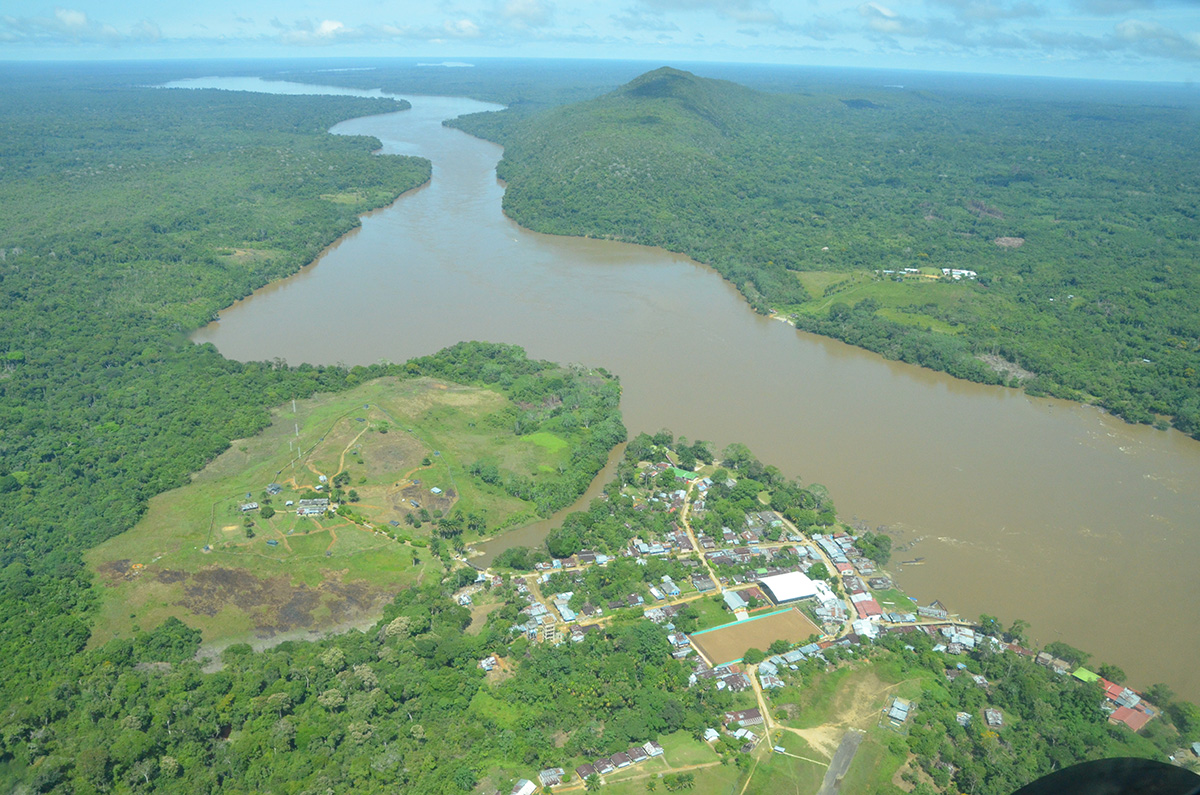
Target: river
1084 526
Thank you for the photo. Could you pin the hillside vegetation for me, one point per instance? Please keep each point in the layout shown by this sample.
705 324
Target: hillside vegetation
1078 218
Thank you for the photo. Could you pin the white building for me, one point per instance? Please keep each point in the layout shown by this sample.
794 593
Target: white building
789 587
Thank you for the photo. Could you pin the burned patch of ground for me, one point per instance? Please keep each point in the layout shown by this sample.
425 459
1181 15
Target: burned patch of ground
115 571
274 604
170 576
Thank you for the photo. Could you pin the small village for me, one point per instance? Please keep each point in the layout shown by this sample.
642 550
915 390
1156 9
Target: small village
759 573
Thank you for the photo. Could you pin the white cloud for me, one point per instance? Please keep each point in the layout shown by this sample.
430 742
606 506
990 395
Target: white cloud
992 10
528 13
70 26
1152 37
1105 7
882 19
462 29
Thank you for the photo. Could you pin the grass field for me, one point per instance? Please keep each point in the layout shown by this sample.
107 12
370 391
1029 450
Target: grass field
232 573
876 762
902 302
729 643
779 774
711 614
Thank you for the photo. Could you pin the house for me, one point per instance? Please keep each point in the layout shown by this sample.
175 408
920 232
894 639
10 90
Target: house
712 735
638 754
703 584
736 683
524 787
315 507
654 749
744 717
1135 719
604 766
963 718
899 711
993 717
585 770
274 489
249 506
621 759
735 601
551 776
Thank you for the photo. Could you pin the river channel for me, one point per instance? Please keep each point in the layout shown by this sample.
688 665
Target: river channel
1084 526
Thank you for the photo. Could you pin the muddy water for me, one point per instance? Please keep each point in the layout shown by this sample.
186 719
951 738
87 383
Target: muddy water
1084 526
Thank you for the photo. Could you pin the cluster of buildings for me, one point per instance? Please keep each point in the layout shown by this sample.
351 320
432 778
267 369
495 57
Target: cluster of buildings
1123 705
623 759
726 677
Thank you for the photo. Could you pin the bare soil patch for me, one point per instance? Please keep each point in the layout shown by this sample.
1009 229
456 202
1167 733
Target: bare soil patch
1005 367
731 641
1010 242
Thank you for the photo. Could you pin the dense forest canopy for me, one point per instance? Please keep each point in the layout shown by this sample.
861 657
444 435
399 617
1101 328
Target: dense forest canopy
128 216
1077 216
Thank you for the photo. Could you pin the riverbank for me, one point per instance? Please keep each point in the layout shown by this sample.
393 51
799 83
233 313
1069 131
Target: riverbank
1043 537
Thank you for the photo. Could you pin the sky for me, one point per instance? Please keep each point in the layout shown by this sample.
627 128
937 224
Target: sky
1154 40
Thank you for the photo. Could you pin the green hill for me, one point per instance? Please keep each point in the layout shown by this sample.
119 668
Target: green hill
1077 218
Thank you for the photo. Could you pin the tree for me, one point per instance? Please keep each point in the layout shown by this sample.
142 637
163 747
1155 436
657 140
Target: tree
592 783
990 624
1112 673
753 656
779 646
1160 694
819 571
267 512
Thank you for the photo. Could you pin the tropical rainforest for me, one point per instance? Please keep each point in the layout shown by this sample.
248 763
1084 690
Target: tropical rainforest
129 216
1078 218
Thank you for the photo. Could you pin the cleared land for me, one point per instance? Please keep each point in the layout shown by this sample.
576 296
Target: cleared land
402 446
729 643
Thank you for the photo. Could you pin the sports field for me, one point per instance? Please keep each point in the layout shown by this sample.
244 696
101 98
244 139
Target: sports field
729 643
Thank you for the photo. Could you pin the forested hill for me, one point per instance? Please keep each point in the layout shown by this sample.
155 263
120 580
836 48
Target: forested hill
1078 218
652 162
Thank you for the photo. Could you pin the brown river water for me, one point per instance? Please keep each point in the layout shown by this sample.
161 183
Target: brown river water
1084 526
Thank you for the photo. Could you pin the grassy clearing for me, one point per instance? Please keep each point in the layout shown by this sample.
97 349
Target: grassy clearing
818 700
403 447
682 749
547 441
905 302
779 774
711 614
714 780
875 763
893 600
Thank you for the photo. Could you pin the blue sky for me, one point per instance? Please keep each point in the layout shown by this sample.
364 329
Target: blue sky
1110 39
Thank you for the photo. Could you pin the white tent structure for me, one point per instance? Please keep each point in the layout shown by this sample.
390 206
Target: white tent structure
789 587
